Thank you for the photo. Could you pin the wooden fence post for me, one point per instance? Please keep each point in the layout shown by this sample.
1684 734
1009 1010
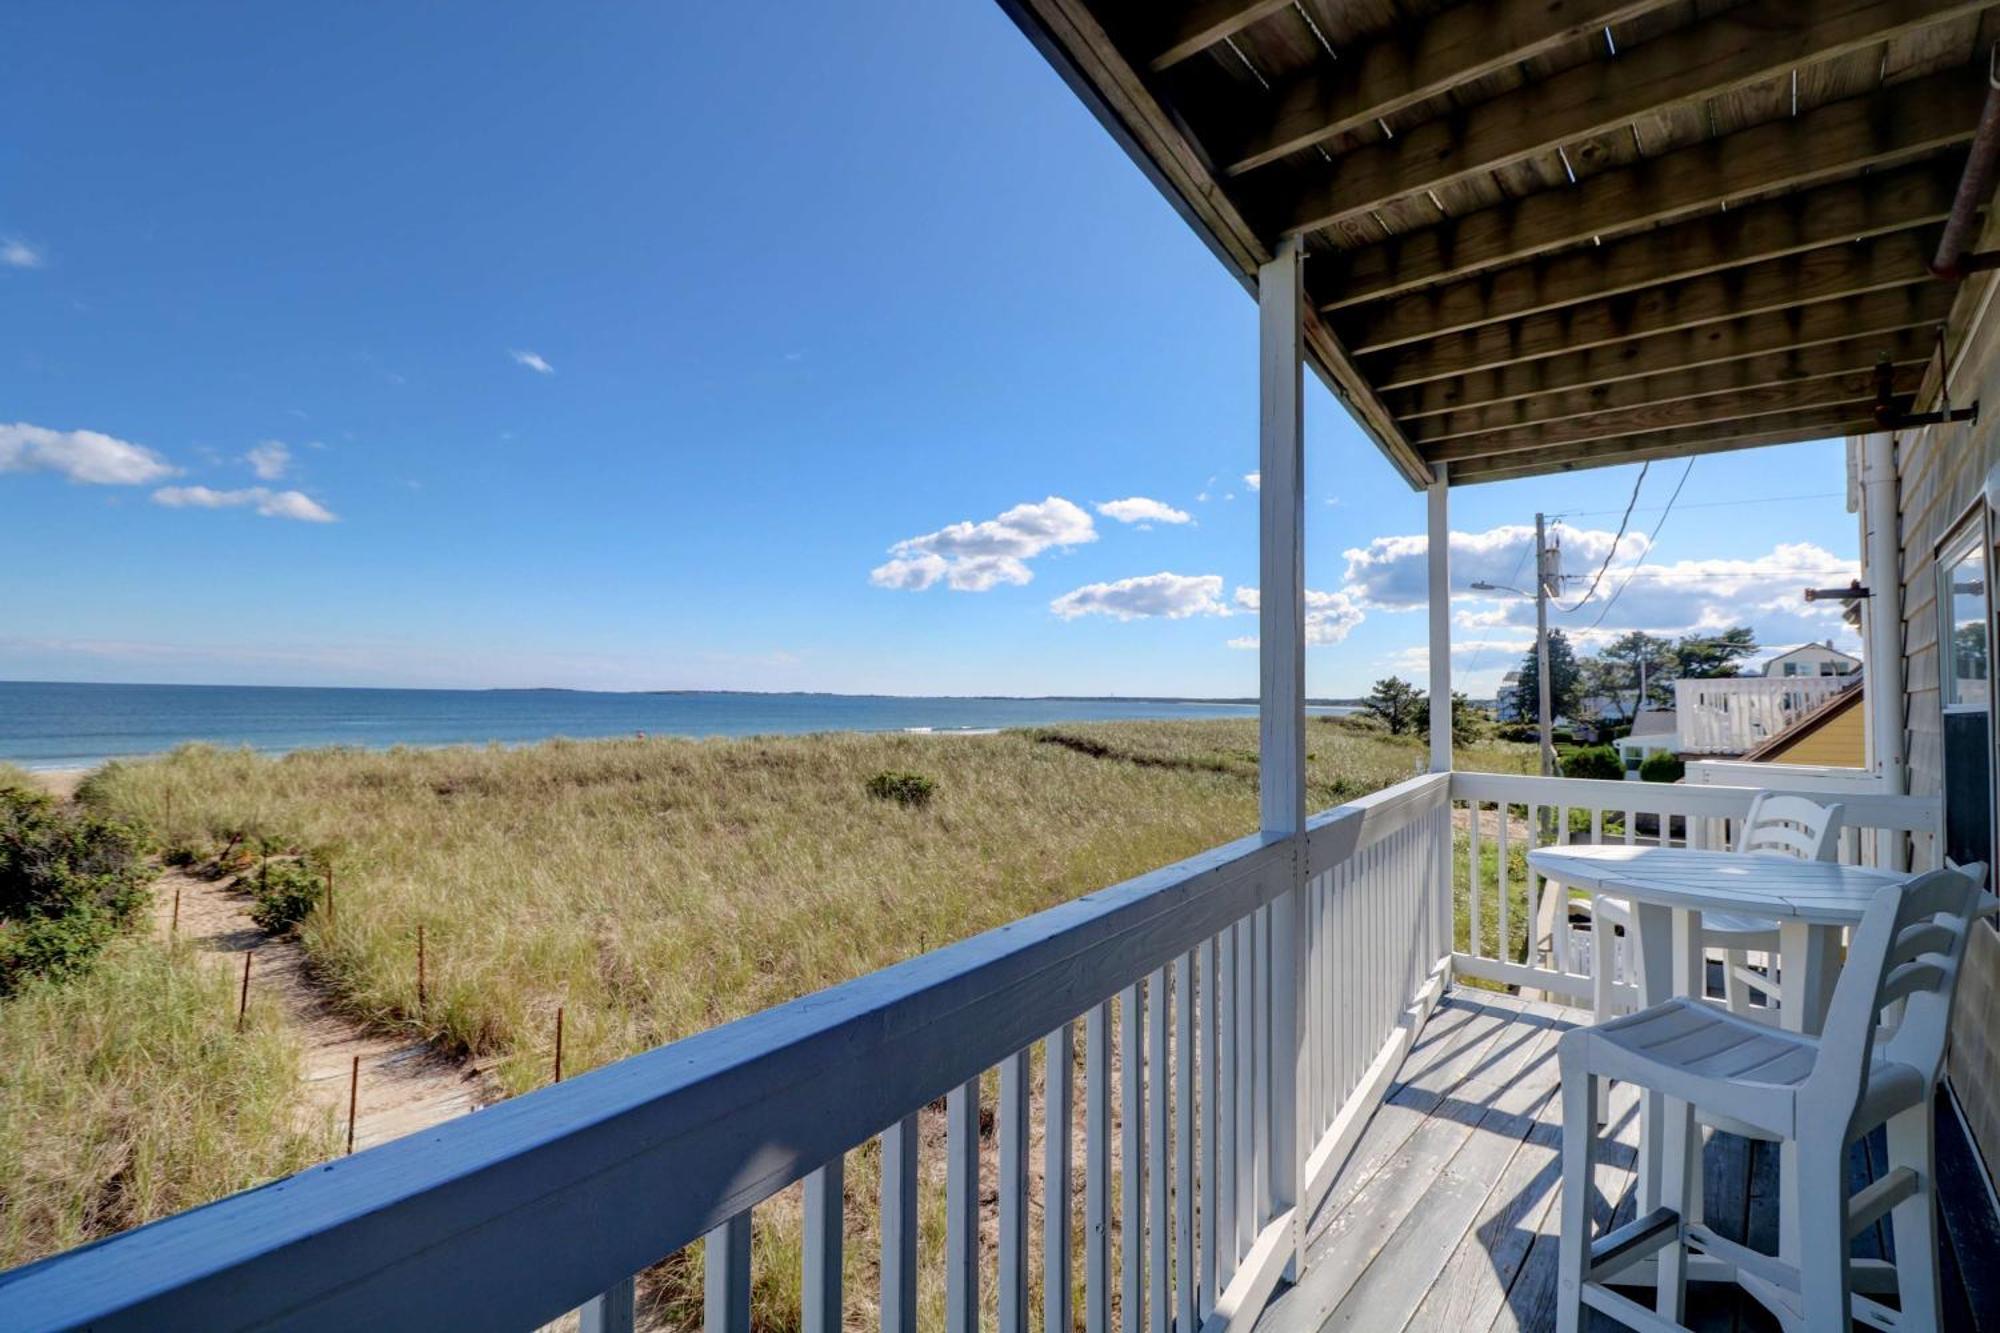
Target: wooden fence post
423 993
353 1099
243 1001
559 1026
174 926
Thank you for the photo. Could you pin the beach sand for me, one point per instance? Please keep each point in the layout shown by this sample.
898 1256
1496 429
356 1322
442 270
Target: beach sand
60 782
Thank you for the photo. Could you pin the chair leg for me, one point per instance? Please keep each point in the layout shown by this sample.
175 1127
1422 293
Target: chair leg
1824 1277
1915 1221
1579 1103
1735 990
1603 962
1680 1168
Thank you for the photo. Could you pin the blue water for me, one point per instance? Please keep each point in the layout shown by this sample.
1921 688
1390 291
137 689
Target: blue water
49 725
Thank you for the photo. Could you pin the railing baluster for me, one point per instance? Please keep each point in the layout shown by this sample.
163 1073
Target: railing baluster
1473 938
961 1202
820 1297
1184 1142
726 1277
1132 1160
1158 1153
1205 1018
899 1226
1505 949
1097 1171
1011 1129
1222 1195
613 1311
1246 1093
1059 1055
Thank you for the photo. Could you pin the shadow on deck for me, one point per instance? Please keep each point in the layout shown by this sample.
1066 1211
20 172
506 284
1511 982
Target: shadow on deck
1446 1215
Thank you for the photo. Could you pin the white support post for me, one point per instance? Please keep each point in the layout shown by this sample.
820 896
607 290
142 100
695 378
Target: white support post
1438 509
1282 692
1882 613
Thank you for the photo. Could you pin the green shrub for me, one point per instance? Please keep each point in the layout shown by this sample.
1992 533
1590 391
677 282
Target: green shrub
1663 766
1596 761
1521 733
69 880
902 788
285 892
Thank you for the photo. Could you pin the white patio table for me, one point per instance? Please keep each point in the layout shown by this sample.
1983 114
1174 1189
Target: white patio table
1669 888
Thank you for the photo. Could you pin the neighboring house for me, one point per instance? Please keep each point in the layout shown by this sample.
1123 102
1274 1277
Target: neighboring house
1508 706
1813 659
1655 730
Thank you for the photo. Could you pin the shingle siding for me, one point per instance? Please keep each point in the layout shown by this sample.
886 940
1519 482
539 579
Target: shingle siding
1940 474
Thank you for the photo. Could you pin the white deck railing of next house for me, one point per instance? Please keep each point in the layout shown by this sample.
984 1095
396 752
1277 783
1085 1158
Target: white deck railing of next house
1728 715
1229 1023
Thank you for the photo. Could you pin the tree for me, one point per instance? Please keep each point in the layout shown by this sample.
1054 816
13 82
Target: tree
1401 706
1708 655
1468 723
1565 680
1625 660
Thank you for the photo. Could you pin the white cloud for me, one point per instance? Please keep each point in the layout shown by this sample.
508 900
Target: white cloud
269 459
533 361
80 455
1139 509
973 557
1330 616
267 502
1254 480
1393 573
1171 596
17 253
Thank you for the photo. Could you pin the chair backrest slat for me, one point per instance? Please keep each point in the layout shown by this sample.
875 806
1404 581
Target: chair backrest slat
1908 948
1791 826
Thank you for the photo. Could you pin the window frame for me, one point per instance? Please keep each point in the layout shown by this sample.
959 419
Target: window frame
1972 533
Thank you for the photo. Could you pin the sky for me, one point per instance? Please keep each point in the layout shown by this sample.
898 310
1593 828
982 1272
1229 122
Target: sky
824 347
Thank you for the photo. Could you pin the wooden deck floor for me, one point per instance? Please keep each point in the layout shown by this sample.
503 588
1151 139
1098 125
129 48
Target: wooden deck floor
1445 1217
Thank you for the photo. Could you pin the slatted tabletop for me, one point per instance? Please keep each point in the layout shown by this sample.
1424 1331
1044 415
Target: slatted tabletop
1780 887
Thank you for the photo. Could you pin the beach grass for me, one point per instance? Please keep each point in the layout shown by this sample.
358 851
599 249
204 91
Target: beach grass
126 1094
653 888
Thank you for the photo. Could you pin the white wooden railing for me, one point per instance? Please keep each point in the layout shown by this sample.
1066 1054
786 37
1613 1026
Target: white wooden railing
1732 714
1198 975
1509 926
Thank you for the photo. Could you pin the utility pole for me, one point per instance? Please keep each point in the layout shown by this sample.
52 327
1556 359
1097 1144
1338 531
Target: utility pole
1542 575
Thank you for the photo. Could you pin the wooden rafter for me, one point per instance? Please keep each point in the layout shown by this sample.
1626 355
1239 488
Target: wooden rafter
1853 359
1882 203
1834 140
1771 285
1750 433
1206 24
1845 390
1874 315
1399 70
1755 41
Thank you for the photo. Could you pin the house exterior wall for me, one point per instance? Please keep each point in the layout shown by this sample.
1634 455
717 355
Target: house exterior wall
1940 472
1812 659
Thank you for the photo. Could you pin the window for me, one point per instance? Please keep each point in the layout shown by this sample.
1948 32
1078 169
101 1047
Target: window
1965 664
1963 598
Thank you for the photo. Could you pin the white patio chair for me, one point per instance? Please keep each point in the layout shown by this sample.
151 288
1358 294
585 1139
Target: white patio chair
1777 825
1821 1093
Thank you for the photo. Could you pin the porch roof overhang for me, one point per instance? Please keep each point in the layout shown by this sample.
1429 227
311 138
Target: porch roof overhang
1544 235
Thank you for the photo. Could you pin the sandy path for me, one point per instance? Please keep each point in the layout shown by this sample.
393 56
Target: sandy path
405 1083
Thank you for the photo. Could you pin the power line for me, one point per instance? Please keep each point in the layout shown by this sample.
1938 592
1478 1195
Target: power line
1710 504
1612 554
1653 537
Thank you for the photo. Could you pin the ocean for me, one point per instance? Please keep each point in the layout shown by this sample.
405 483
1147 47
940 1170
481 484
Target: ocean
56 725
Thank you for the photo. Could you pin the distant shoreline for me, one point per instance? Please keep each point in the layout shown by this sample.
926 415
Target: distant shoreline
55 726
